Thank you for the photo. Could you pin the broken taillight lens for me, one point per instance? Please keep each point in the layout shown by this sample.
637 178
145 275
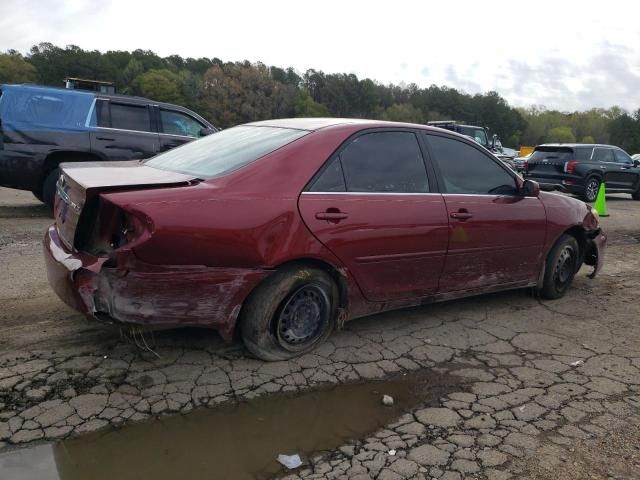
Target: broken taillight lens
129 228
114 228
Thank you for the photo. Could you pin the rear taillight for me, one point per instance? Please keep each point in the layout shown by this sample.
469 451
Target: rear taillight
570 166
115 228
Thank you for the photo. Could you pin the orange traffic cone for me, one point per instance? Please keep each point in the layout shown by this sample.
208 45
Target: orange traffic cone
600 204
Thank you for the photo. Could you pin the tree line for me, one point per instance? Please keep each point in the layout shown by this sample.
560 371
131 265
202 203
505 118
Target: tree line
229 93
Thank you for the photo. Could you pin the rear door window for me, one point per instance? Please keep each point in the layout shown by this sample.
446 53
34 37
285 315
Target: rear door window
603 155
130 117
331 179
384 162
467 170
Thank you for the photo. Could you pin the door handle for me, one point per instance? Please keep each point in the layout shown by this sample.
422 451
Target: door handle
461 215
168 146
106 139
331 216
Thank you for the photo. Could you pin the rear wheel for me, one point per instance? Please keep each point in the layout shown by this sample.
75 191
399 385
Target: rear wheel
49 187
290 313
561 266
591 187
636 195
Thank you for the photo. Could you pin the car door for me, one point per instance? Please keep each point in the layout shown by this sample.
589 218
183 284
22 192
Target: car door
124 131
373 206
627 174
495 234
177 128
610 169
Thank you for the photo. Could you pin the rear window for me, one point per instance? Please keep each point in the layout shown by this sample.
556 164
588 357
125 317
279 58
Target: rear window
55 109
225 151
559 154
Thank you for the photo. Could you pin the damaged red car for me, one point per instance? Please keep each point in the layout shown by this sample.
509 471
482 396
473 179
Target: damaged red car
280 231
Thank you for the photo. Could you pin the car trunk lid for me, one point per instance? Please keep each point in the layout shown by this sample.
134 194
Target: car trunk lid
80 183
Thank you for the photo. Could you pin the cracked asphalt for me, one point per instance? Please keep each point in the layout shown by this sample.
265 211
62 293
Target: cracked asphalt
548 389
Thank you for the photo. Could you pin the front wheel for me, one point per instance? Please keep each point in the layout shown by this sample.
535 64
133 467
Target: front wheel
290 313
591 187
561 266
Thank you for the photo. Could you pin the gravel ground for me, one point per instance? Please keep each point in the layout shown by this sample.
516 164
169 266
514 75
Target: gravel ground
549 389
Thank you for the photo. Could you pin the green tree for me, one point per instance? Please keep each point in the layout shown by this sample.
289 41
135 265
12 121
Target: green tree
161 85
307 107
587 139
561 135
403 113
15 69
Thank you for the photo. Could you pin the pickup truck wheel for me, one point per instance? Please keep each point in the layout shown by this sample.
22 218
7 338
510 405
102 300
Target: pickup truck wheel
591 187
290 313
49 188
561 266
636 195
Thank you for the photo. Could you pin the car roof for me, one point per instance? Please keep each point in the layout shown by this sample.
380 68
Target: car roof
75 91
317 123
575 145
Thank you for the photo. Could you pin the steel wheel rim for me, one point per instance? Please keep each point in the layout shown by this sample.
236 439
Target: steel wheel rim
302 318
565 267
592 189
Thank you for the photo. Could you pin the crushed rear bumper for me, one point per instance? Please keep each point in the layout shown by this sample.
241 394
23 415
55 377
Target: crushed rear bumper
159 296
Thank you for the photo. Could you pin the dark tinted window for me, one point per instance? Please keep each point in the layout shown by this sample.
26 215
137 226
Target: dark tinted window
583 153
177 123
130 117
603 155
384 162
622 157
466 169
331 179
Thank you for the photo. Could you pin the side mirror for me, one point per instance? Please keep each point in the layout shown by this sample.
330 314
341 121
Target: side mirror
207 131
636 163
530 189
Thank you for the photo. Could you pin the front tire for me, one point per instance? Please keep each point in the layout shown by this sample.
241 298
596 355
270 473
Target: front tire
290 313
561 266
590 191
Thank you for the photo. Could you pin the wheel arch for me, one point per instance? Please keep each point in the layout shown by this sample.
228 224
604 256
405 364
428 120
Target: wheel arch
338 275
576 231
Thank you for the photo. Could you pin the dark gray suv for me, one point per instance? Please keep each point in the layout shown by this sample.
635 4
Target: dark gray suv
581 168
41 127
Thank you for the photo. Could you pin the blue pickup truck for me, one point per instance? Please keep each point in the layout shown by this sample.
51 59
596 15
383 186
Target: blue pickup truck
41 127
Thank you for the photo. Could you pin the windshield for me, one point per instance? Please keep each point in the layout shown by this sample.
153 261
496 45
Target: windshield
222 152
478 134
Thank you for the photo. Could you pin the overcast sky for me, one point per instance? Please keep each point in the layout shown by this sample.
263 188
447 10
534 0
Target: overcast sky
562 54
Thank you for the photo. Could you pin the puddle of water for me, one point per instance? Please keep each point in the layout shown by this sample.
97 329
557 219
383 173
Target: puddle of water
238 441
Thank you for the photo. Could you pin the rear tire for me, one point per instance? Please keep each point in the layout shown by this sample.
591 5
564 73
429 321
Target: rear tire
49 188
591 187
561 266
636 195
290 313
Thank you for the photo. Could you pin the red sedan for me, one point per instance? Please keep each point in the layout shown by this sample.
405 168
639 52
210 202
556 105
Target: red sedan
282 230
